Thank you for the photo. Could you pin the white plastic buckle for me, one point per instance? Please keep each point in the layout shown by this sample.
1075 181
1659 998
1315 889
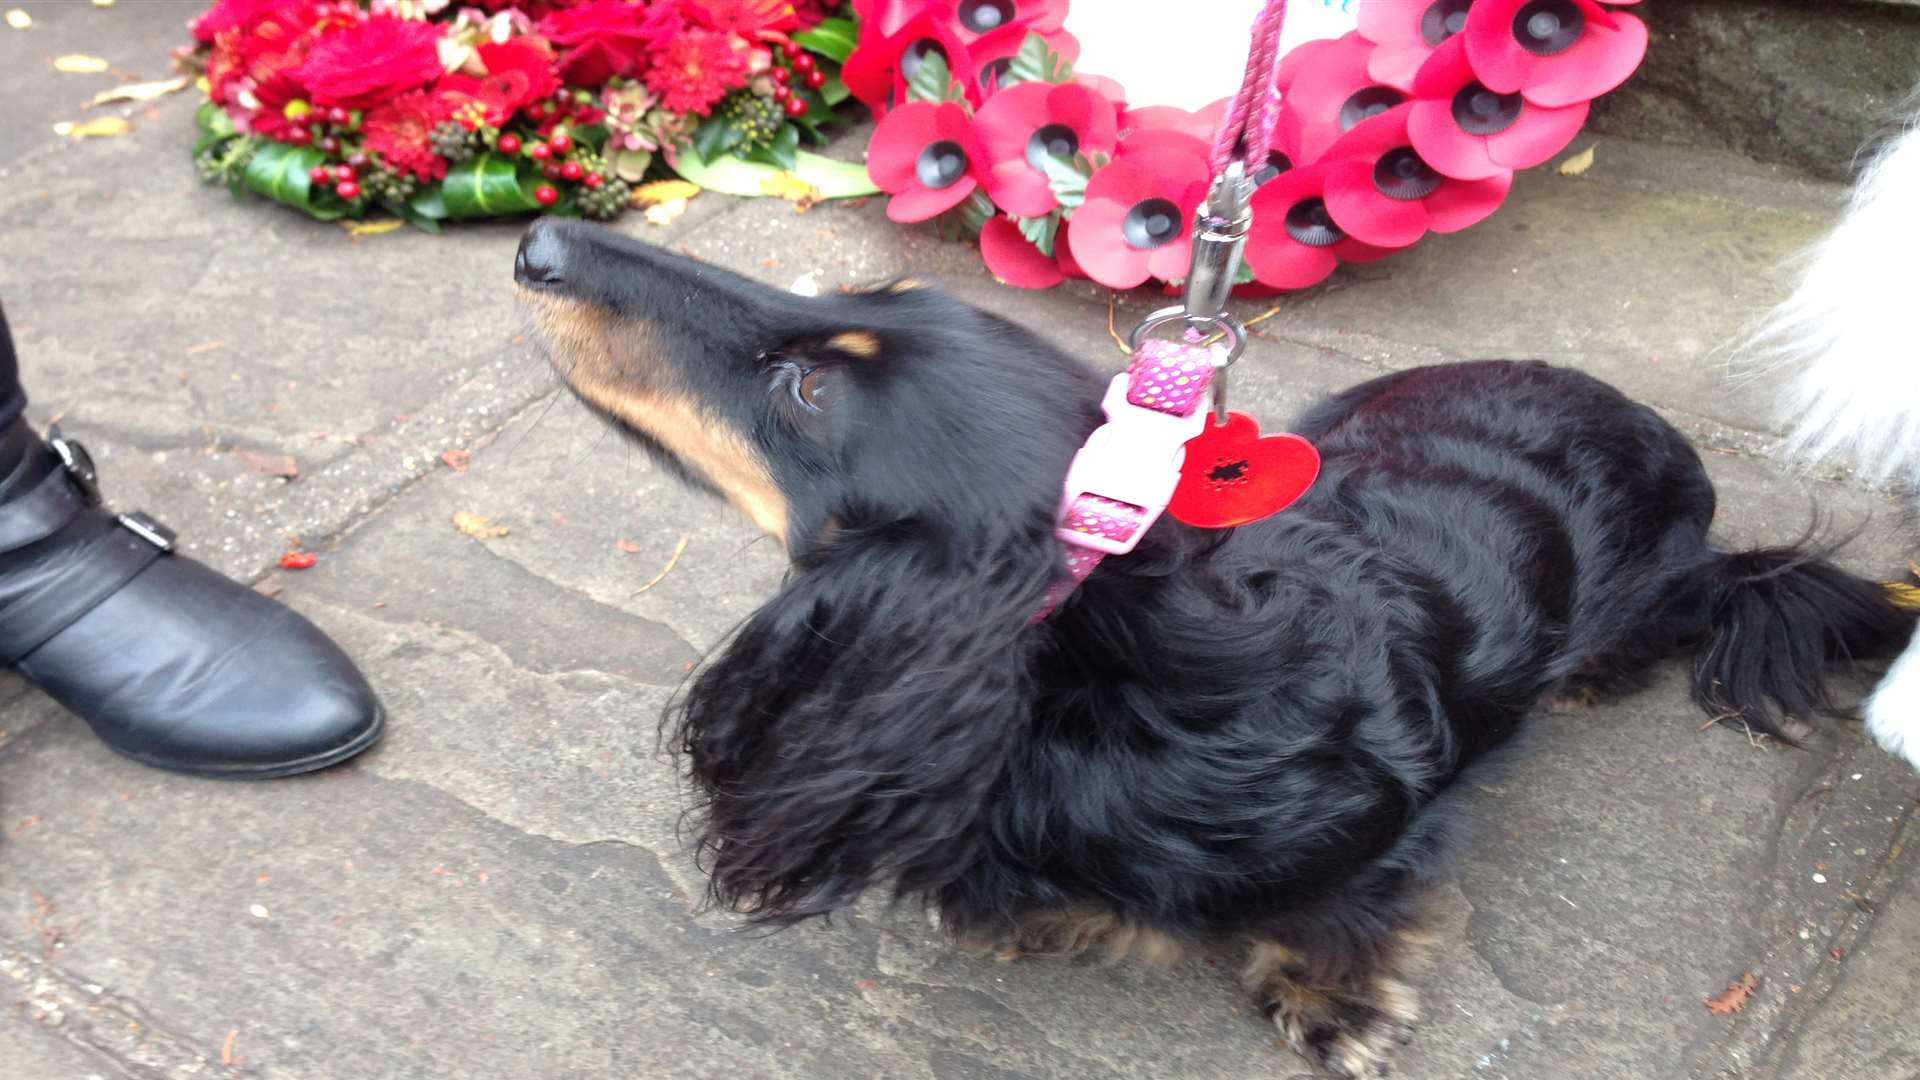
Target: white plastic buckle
1133 458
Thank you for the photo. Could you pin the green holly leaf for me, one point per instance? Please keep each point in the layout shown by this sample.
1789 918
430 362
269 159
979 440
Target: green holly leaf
1040 231
784 151
279 172
489 185
834 39
1037 63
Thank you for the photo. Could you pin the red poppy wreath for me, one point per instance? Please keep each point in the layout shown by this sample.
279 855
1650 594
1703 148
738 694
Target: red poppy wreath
1413 120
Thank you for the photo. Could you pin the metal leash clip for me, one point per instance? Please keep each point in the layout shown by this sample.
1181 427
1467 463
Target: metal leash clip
1219 237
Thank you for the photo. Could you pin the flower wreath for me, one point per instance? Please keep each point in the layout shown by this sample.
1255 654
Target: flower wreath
1412 122
443 109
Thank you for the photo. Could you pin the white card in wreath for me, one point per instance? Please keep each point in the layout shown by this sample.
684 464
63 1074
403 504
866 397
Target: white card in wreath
1189 54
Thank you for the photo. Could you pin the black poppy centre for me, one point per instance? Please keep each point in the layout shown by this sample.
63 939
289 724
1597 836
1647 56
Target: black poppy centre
1368 103
993 71
1151 223
1056 141
1480 111
1403 175
981 16
1309 223
1548 27
1277 164
917 53
1443 19
941 164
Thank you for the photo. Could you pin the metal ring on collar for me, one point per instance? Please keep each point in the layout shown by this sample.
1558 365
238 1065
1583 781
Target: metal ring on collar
1223 324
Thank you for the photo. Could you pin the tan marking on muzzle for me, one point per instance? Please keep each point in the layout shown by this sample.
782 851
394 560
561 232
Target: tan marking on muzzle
858 343
615 365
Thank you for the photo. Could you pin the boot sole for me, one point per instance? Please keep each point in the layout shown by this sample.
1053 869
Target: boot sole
313 763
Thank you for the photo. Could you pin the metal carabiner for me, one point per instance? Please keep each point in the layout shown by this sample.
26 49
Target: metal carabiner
1220 323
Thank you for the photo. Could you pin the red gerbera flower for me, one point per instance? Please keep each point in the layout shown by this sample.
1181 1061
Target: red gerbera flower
1013 259
1137 221
371 62
879 68
401 133
1555 52
1294 241
1405 33
1021 126
927 156
1382 192
1331 95
269 119
519 73
1470 132
695 70
604 38
253 54
238 14
746 18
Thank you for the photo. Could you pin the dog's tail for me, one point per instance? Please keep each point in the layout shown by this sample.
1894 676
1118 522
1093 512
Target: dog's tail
1848 332
1779 619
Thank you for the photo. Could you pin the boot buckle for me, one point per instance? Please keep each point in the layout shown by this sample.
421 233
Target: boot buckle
77 463
144 527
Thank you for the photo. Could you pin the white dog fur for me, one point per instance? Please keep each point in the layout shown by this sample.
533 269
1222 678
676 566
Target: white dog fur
1851 335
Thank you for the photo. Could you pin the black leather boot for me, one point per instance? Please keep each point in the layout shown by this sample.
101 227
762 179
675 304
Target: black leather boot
172 664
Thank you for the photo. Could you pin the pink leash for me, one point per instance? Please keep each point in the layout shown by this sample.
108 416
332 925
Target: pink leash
1123 478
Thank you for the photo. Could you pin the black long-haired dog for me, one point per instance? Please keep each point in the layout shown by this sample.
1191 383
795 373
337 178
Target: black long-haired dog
1228 735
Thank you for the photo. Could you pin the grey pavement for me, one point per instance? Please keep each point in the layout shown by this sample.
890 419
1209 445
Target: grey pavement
497 890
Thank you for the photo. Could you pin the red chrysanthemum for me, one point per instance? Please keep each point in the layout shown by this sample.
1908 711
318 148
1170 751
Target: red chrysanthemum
1013 259
1471 132
1555 52
1405 33
371 62
1380 190
604 38
239 14
695 70
747 18
879 68
269 118
401 131
1294 241
254 54
927 157
519 73
1137 220
1021 126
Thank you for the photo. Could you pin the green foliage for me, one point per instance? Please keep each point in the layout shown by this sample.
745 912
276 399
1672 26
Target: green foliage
933 81
1037 63
490 185
279 172
1041 231
1068 178
834 39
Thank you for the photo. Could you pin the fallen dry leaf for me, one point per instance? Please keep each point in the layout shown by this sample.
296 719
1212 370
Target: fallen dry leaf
1735 996
457 459
226 1048
665 213
480 528
1903 594
628 546
205 347
663 191
679 549
791 188
1914 569
1578 163
143 91
98 128
371 228
18 19
79 64
281 465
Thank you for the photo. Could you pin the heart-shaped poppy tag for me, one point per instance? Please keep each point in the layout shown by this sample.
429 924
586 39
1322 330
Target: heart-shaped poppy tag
1232 476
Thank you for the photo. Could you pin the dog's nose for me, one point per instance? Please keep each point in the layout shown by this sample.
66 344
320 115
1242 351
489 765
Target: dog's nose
541 259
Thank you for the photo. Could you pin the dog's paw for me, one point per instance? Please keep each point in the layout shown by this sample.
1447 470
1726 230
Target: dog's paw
1348 1034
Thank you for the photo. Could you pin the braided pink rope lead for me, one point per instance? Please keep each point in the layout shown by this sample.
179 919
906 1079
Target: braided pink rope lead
1255 102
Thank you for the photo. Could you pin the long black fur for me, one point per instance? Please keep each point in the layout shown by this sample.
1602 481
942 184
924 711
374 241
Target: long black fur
1225 733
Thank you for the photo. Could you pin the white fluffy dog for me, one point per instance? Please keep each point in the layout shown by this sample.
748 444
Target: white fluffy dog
1851 333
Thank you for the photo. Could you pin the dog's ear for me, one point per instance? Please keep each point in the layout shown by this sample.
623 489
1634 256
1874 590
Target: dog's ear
849 734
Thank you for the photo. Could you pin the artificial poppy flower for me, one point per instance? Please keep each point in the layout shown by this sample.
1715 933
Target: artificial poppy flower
1105 87
1014 259
1200 125
878 70
1022 126
1331 95
604 38
990 55
1554 52
1294 241
927 156
519 72
1405 32
370 62
1063 252
1471 132
1381 192
1137 220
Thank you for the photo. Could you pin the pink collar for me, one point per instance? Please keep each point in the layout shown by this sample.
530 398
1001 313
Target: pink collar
1122 479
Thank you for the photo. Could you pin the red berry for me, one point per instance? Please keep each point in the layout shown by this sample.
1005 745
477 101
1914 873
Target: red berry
781 93
338 115
298 560
572 170
816 78
347 190
545 195
780 74
329 145
320 174
796 106
551 170
509 144
344 173
539 151
802 62
358 161
593 179
299 136
560 143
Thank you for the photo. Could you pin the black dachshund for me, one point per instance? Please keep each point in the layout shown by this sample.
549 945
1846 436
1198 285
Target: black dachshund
1230 736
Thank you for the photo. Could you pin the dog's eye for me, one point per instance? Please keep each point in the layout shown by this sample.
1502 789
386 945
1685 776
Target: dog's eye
814 388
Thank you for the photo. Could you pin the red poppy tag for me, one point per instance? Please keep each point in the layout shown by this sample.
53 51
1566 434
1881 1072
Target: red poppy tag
1233 476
